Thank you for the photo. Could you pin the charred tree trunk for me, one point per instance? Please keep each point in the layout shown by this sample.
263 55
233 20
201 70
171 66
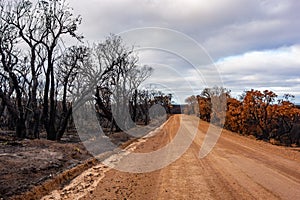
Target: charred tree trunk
64 124
17 114
146 112
49 107
45 114
135 105
33 113
51 133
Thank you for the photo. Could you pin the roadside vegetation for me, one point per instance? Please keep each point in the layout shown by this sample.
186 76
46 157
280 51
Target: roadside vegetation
261 114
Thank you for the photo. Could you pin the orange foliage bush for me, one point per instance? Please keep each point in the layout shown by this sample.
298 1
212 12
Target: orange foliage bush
260 114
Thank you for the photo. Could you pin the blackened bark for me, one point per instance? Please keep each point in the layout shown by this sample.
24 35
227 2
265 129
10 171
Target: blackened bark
33 105
45 114
64 124
19 115
135 105
99 102
49 110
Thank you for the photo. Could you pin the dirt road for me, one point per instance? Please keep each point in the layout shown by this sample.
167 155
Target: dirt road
237 168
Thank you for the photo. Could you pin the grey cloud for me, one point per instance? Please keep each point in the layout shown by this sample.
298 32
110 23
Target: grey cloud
225 29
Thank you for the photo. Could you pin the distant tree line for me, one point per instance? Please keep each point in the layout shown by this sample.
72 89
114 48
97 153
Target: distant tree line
42 81
261 114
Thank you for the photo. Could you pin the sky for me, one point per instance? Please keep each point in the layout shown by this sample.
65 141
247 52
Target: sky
193 44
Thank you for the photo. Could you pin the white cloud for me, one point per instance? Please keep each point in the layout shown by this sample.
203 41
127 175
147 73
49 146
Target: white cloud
281 60
277 69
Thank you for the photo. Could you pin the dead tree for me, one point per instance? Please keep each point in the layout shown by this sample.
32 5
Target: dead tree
70 64
9 63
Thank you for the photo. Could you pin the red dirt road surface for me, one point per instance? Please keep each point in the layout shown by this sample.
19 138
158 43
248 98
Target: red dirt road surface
237 168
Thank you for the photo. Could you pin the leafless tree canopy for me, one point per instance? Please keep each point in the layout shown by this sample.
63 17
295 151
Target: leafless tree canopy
42 81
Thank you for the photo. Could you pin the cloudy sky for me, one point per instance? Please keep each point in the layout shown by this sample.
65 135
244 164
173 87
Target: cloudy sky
239 44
